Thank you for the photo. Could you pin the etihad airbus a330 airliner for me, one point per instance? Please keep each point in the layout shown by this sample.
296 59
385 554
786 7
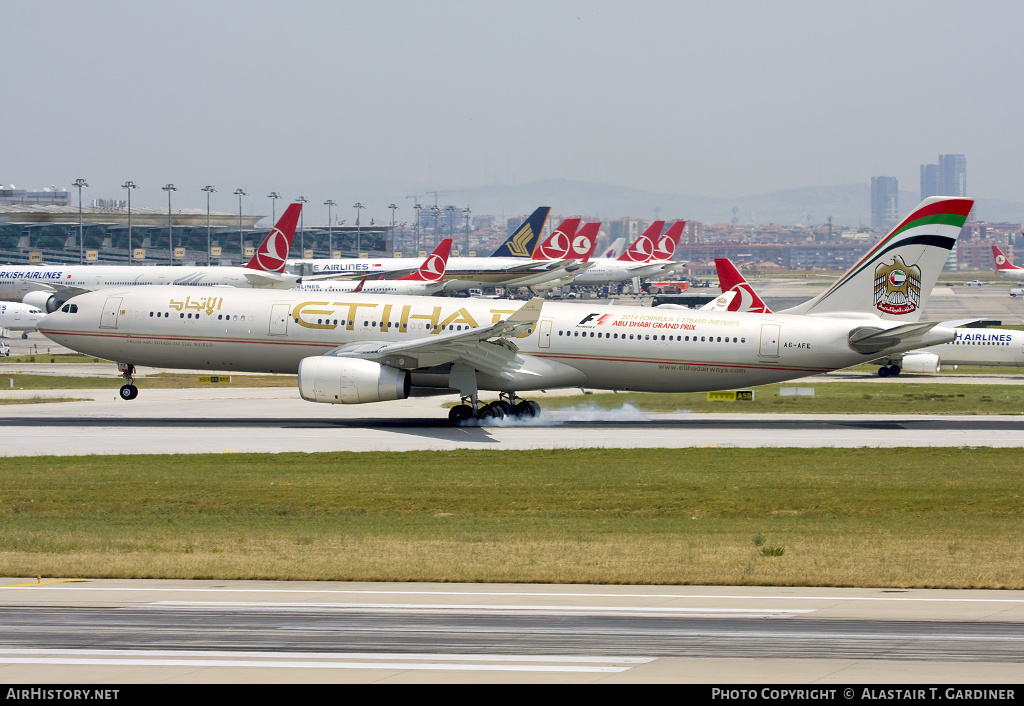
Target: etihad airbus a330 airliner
359 348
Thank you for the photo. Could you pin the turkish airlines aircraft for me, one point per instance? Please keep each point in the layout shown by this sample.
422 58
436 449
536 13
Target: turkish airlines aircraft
360 348
49 287
971 346
638 259
511 265
428 279
15 316
1004 266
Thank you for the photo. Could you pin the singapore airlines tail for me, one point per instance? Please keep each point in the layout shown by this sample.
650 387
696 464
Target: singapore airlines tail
730 280
272 253
642 249
1003 264
432 269
523 242
895 278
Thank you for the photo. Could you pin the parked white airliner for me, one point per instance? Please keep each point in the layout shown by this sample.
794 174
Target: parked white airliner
50 286
15 316
428 279
359 348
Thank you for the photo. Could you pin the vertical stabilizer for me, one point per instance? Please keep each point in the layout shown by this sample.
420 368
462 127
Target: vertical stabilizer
272 253
730 280
523 242
895 278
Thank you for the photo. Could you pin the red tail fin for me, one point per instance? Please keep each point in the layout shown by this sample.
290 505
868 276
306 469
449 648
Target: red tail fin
730 279
585 241
432 269
642 249
272 254
667 244
1002 262
559 244
359 287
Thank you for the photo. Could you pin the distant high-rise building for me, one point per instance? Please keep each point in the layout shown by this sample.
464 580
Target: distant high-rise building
947 178
885 202
953 172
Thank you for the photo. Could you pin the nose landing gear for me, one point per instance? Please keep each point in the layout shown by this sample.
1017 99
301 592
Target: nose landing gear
128 390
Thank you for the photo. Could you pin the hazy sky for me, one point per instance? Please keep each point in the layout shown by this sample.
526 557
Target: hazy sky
337 99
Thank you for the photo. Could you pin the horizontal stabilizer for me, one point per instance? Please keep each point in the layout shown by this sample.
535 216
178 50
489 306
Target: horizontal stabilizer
869 340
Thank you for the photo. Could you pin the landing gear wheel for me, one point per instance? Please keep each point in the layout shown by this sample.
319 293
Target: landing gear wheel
492 411
24 335
460 413
894 370
527 409
883 372
129 392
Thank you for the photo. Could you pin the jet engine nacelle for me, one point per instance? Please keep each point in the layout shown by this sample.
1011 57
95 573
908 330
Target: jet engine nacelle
350 381
921 363
47 301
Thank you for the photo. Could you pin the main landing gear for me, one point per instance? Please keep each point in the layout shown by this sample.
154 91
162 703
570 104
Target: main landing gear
505 406
888 371
128 390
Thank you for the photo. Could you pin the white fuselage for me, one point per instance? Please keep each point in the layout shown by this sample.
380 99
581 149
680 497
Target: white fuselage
15 316
614 347
974 346
607 271
16 280
460 272
376 286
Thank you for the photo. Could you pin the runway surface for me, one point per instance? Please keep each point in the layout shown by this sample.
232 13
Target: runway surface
276 420
102 631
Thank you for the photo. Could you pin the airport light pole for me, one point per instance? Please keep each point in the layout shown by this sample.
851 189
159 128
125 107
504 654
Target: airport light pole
209 256
437 220
451 211
359 244
170 234
330 231
81 248
273 196
302 230
241 236
129 185
393 207
466 213
418 208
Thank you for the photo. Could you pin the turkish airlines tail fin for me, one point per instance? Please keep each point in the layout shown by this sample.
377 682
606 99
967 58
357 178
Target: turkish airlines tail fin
432 269
586 240
642 249
1003 263
523 242
895 278
665 249
730 280
558 245
272 253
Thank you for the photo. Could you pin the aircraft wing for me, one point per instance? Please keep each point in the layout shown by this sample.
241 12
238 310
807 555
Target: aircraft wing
66 290
486 348
874 339
259 278
361 274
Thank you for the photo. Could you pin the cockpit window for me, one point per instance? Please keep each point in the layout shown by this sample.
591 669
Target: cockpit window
70 308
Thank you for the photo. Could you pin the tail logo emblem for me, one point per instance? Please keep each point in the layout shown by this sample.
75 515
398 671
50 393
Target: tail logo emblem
433 268
581 245
519 242
666 248
274 252
1000 260
897 287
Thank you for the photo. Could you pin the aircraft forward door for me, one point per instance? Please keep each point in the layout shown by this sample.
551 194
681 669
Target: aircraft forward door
544 334
278 319
111 308
770 340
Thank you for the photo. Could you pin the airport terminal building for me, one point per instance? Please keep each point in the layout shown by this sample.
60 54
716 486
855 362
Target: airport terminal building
44 230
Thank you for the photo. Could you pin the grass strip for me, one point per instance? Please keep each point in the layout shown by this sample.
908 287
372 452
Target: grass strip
824 517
